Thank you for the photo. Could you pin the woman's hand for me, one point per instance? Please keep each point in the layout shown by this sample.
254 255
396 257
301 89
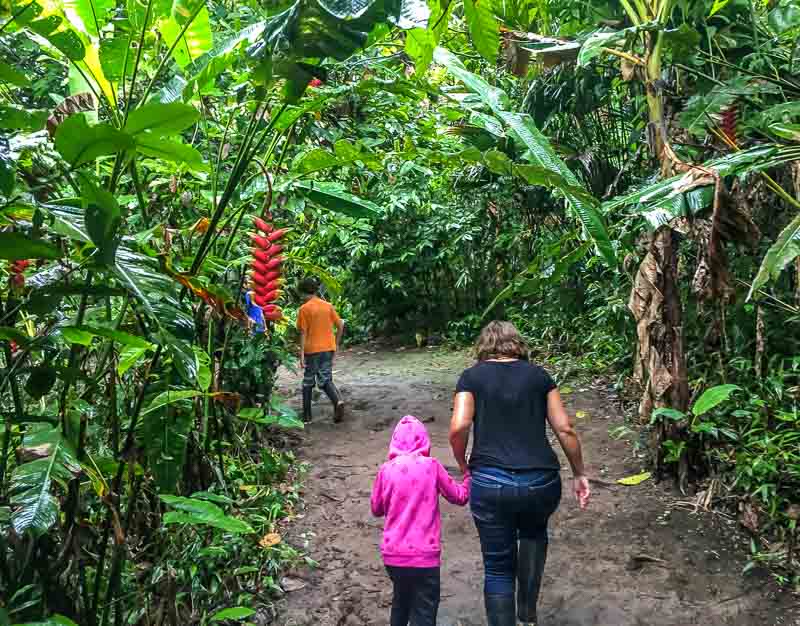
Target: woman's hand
580 485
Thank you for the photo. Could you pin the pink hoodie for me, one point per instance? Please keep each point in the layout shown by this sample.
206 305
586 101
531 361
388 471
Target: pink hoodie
407 492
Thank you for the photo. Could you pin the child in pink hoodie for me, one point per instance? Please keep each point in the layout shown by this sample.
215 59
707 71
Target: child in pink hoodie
406 491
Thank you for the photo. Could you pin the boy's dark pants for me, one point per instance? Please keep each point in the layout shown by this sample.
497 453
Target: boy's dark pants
416 595
319 371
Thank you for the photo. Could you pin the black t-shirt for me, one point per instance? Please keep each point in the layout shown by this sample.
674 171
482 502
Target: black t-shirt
510 415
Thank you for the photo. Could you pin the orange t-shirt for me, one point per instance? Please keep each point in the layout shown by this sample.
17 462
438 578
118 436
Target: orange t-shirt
316 319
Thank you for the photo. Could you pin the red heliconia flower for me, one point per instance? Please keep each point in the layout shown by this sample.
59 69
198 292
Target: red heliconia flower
314 83
730 122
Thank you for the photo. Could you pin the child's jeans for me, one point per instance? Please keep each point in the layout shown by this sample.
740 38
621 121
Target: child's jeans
416 595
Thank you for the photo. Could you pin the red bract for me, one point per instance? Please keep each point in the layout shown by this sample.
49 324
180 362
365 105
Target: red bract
260 268
261 242
314 83
275 263
263 290
274 316
277 234
262 225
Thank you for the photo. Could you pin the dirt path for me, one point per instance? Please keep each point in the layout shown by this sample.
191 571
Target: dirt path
689 573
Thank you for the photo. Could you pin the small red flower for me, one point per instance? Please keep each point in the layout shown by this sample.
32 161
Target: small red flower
314 83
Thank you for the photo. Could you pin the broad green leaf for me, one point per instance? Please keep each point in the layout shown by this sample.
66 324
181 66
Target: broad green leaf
163 434
495 98
103 218
332 196
314 160
85 333
483 28
785 17
53 620
333 286
233 613
580 201
203 369
8 174
161 119
10 75
420 44
498 162
12 334
40 381
718 6
634 480
593 46
540 152
34 508
669 414
13 117
196 41
117 57
73 334
18 247
68 42
170 397
173 151
713 397
201 512
80 143
92 15
785 250
128 357
787 131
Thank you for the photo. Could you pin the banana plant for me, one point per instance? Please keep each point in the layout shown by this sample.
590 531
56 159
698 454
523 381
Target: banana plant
543 166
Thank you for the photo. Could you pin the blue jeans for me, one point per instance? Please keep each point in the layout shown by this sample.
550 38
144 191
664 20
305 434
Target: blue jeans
511 506
319 369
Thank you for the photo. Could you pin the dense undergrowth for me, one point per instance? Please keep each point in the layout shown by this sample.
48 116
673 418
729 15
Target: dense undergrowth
627 194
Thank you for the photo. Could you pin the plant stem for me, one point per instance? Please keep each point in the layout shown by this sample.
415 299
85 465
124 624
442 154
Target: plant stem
73 354
137 408
19 411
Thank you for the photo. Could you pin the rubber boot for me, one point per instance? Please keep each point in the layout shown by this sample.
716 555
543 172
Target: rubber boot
531 558
500 610
307 391
338 406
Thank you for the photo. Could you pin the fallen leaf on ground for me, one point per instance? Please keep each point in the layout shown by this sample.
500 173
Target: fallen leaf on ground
290 584
581 414
269 540
635 479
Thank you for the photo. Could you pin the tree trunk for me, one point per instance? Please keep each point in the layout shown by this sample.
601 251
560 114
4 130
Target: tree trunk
660 364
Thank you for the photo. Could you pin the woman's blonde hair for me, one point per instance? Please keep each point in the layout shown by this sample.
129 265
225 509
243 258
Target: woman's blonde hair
500 340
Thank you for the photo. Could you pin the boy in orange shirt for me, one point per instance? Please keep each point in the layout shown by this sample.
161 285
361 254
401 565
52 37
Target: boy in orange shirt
315 321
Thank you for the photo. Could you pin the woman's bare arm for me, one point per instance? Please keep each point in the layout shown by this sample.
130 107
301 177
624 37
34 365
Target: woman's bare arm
562 426
461 422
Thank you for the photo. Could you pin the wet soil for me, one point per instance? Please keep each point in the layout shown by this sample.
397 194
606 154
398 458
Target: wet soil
640 556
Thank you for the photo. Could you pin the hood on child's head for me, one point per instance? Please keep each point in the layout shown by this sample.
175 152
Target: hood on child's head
410 437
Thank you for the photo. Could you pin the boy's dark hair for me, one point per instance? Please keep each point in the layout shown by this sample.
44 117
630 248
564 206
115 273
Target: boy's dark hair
309 286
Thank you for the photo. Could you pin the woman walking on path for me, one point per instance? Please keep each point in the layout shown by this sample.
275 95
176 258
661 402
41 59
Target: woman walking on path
516 485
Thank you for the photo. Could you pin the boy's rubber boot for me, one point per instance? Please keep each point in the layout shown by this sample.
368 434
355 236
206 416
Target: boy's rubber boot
531 558
500 610
338 406
307 392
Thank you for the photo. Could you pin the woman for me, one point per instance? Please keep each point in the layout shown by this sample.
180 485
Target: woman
516 485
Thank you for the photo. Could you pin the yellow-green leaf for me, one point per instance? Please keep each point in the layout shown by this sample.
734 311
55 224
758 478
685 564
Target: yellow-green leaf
636 479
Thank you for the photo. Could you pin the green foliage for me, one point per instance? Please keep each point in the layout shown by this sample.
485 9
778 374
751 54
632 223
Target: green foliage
47 458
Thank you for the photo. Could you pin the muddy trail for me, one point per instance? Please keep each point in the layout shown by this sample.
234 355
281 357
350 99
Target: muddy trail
640 556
